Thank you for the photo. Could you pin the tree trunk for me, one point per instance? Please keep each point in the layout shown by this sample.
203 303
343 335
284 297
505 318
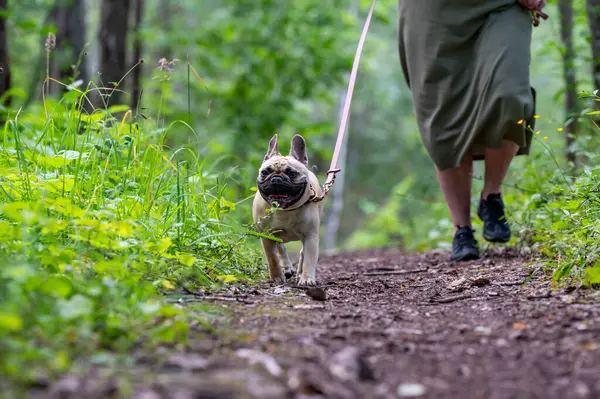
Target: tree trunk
137 56
4 61
566 33
593 11
39 72
114 18
164 24
69 60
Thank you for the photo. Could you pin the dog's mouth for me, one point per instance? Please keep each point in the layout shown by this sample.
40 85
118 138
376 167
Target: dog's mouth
284 195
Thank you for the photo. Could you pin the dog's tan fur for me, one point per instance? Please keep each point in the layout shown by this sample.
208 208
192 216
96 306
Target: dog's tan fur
298 222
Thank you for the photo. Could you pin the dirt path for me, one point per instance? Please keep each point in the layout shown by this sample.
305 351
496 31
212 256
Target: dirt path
392 326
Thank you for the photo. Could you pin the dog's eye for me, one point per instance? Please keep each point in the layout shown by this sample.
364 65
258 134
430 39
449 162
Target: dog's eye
264 173
291 173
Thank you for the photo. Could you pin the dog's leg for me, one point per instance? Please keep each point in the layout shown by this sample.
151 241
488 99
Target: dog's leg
270 250
288 268
310 249
300 261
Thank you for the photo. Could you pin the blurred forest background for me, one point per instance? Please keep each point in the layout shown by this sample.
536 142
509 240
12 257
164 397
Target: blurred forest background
237 72
134 130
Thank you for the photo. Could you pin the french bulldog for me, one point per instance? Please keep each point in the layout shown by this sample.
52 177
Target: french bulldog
286 184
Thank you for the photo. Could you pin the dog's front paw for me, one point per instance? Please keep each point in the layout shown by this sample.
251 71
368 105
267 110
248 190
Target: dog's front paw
289 273
306 282
278 280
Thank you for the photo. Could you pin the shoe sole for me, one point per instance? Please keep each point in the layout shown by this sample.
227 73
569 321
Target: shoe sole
496 240
465 258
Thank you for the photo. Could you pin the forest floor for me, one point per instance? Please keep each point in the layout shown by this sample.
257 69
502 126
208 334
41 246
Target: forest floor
392 325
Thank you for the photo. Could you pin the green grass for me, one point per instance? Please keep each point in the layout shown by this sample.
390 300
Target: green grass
98 219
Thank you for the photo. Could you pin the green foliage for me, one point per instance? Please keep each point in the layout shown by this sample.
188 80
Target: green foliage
97 219
556 213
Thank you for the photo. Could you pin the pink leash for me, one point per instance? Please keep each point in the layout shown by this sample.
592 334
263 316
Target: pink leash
333 169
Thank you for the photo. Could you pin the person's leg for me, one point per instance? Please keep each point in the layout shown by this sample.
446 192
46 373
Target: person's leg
497 162
491 205
456 186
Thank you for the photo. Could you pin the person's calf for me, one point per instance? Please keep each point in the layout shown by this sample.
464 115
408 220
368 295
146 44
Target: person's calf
455 184
456 187
497 162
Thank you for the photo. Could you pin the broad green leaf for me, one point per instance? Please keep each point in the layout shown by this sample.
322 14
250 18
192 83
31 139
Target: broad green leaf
10 322
59 286
186 259
77 306
227 278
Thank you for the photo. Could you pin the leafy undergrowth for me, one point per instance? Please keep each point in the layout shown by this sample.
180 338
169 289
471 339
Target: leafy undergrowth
559 217
98 218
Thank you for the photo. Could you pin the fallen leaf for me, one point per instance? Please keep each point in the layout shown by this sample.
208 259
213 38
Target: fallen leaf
458 284
520 326
318 294
591 346
479 281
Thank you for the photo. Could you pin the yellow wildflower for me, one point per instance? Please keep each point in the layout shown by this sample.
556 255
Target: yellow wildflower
520 122
536 116
538 132
560 129
546 138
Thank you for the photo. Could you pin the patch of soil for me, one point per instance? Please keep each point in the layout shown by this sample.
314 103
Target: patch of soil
390 325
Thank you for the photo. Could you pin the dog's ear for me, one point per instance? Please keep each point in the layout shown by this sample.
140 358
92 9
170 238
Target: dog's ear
273 148
298 149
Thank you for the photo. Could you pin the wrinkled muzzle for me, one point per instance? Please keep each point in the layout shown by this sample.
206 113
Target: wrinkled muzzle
281 190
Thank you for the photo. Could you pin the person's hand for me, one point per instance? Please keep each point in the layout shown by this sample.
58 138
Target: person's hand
533 5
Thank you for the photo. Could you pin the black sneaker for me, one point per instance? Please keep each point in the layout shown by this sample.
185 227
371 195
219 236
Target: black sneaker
464 245
495 225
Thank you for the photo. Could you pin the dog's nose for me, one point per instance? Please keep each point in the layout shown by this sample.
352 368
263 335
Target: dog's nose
276 180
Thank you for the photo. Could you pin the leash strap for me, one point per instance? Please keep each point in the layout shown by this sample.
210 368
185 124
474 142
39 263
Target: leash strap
333 169
536 17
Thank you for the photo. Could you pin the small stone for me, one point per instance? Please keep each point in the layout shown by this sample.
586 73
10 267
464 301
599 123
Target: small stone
581 390
146 394
257 357
483 330
65 387
187 362
411 390
318 294
464 370
307 306
349 364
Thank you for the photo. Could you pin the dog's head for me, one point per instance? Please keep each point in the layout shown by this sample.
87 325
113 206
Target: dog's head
285 179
